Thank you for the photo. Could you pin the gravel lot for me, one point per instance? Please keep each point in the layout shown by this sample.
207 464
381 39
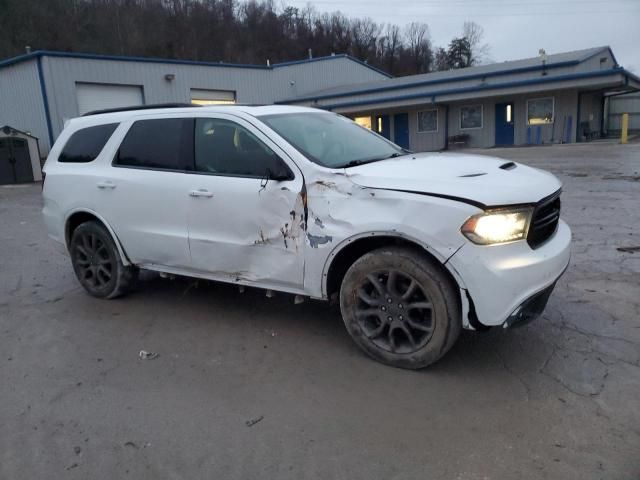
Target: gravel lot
249 387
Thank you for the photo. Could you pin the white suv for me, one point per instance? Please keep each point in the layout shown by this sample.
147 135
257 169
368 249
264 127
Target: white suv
415 246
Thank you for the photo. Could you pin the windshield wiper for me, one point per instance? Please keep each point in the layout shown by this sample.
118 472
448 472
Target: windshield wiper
355 163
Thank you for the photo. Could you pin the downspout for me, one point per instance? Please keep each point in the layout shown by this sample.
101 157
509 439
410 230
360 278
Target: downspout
45 100
446 127
602 113
578 118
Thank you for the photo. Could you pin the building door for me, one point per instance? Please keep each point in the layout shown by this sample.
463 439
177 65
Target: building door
15 162
383 126
504 123
401 129
98 96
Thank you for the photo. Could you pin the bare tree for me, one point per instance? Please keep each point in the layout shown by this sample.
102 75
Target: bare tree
418 44
364 33
245 31
474 33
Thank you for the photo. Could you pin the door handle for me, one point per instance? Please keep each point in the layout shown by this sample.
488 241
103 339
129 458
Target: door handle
201 193
106 184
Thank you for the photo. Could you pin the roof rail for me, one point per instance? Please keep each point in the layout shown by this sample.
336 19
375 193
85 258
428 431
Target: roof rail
140 107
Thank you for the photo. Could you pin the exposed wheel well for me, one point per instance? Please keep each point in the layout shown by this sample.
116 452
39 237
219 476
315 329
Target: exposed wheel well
74 221
79 218
356 249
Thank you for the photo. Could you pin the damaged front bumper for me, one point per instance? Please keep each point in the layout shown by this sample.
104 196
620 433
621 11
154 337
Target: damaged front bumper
510 283
530 309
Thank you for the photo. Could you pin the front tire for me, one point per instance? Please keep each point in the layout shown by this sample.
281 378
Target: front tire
400 307
97 263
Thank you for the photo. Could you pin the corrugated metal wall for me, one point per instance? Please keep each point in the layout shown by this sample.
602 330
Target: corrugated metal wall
21 104
624 104
565 105
61 75
314 76
591 107
252 85
427 141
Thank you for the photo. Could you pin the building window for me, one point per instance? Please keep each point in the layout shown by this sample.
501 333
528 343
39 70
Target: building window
540 111
428 121
470 117
363 122
212 97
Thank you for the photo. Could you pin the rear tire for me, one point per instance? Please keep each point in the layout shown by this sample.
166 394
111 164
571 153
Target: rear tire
97 263
400 307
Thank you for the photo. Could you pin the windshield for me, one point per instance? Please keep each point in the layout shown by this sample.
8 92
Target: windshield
331 140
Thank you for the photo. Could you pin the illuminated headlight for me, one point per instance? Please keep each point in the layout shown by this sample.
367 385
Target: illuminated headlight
498 226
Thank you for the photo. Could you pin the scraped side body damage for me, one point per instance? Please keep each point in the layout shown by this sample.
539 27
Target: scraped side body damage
256 228
341 212
285 234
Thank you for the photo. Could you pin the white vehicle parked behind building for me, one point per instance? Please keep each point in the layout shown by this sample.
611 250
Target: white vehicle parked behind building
415 246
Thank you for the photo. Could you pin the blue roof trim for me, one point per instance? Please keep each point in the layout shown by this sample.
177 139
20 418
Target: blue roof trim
45 101
386 88
479 88
91 56
18 59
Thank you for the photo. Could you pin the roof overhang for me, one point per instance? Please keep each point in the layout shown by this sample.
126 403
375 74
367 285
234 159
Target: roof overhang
615 78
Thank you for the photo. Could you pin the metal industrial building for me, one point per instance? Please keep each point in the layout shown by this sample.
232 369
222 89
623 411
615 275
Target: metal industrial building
547 99
618 105
41 90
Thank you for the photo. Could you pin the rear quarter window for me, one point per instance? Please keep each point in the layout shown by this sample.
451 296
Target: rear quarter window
86 144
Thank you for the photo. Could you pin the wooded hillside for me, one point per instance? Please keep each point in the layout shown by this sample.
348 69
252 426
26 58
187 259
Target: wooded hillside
226 30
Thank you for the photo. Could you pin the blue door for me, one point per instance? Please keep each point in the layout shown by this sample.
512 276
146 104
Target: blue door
504 123
401 129
383 126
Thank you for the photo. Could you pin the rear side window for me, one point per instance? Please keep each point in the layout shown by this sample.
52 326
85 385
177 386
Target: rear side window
163 144
85 145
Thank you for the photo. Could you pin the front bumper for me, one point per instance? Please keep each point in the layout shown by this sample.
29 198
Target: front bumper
531 309
505 280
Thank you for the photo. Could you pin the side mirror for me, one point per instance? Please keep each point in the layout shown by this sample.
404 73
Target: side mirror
280 174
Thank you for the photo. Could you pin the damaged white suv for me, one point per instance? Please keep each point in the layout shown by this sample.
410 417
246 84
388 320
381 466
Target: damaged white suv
415 246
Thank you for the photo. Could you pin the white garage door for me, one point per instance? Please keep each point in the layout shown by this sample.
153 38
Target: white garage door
97 96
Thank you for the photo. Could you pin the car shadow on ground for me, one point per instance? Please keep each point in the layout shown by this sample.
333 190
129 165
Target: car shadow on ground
203 301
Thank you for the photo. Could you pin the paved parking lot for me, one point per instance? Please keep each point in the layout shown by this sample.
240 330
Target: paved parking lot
250 387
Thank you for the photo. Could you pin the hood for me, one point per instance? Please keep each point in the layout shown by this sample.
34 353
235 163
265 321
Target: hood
477 179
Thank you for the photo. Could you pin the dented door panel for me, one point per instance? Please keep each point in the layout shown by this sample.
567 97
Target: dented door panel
248 231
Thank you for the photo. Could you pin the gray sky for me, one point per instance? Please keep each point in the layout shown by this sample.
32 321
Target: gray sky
513 28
